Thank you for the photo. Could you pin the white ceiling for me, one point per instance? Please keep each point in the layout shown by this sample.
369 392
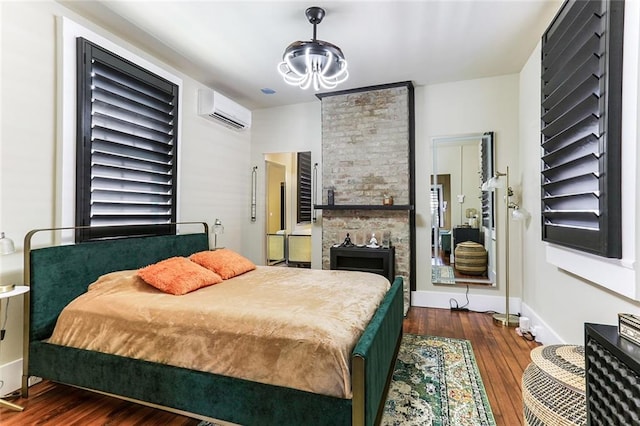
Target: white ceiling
235 46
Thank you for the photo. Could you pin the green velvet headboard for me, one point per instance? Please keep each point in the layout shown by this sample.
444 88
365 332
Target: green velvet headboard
60 274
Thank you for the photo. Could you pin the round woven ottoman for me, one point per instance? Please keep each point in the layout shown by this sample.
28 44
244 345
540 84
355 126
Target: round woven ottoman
470 258
553 386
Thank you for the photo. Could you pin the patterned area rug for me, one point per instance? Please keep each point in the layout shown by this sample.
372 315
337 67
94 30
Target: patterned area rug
442 274
436 382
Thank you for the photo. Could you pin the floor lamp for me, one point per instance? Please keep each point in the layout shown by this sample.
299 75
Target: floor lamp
519 213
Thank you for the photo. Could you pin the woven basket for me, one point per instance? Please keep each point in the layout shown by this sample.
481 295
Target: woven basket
553 387
470 258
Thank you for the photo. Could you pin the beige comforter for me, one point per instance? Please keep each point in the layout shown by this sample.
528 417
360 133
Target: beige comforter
282 326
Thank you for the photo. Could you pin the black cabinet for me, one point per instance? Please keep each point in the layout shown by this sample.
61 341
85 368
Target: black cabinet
462 234
377 260
612 374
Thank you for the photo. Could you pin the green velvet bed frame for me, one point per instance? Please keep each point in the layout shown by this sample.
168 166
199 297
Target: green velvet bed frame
59 274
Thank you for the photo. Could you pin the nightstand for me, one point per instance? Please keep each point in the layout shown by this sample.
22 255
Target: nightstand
612 367
19 289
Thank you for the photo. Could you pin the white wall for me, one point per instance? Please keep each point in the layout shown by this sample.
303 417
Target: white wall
292 128
214 176
214 161
462 163
464 107
559 302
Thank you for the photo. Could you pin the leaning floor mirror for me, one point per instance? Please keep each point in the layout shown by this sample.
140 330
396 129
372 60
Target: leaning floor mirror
463 240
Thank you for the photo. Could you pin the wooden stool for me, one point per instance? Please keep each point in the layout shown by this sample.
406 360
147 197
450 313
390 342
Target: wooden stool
553 387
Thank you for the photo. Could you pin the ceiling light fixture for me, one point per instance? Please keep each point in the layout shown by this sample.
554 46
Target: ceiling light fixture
314 63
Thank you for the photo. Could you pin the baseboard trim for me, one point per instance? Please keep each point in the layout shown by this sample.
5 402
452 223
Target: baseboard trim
11 377
540 329
477 302
481 303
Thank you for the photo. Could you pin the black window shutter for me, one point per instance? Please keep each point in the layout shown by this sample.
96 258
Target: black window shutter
436 204
486 173
304 187
581 127
125 147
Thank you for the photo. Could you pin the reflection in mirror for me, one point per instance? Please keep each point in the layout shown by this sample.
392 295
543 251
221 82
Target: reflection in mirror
288 208
276 208
462 223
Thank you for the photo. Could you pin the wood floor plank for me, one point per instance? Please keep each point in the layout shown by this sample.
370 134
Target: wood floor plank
501 356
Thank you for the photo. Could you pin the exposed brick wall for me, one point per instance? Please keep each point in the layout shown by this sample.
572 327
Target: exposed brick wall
337 223
365 155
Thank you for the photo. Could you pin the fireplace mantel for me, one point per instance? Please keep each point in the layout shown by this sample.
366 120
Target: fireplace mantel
405 207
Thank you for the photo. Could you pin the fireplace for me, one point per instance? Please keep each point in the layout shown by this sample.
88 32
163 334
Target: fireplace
379 261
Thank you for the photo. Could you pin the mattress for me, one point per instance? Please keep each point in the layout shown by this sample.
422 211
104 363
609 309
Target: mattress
282 326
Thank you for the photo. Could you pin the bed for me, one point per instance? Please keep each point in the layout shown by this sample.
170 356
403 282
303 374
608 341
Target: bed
59 274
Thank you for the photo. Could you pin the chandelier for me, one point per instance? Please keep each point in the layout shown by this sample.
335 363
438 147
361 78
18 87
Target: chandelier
314 63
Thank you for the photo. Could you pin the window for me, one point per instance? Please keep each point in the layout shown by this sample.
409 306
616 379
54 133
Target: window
486 173
304 187
581 127
437 206
126 146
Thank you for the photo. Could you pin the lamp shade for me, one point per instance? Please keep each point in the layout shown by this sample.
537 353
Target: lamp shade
519 214
495 182
217 230
217 227
6 245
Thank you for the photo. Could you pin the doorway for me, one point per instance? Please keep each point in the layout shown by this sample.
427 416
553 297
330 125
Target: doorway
276 206
288 208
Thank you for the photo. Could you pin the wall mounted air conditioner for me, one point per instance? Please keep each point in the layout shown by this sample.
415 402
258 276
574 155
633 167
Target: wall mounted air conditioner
212 104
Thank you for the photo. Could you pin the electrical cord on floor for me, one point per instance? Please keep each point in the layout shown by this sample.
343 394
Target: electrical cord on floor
458 308
453 305
11 394
526 335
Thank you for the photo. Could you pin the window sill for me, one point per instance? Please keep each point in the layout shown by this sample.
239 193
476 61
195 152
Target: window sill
617 275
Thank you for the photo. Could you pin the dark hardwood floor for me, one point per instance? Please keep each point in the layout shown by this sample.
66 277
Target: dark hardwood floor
501 354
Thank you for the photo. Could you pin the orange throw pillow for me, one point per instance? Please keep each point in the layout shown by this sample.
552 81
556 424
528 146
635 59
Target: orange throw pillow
178 275
224 262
